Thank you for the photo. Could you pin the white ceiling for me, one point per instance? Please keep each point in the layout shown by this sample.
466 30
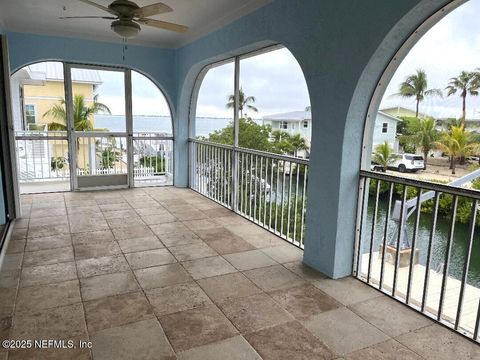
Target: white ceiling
201 16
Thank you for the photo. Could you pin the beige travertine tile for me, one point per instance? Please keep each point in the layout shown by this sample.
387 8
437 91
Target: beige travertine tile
388 350
92 237
437 342
208 267
34 298
176 298
348 290
140 244
304 271
79 223
48 256
156 219
48 274
96 249
100 286
192 328
7 301
139 340
101 266
252 313
228 286
273 278
16 246
160 276
149 258
248 260
48 230
132 232
304 301
343 331
48 242
56 323
389 316
192 251
285 253
234 348
289 341
117 310
125 222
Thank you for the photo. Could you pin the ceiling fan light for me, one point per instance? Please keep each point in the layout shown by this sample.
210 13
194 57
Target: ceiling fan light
125 28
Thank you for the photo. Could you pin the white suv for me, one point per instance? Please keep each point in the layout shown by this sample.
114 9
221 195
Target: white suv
408 162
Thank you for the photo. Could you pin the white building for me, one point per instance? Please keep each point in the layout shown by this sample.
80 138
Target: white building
385 130
300 122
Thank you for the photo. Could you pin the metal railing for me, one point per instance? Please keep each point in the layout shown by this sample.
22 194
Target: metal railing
42 155
419 243
265 188
154 152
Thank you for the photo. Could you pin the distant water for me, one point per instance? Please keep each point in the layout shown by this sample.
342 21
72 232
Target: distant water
161 124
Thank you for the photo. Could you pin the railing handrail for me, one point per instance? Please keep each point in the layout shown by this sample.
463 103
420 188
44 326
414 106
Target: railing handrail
443 188
288 158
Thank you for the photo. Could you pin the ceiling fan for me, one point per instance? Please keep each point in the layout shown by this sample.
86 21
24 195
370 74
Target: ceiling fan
128 15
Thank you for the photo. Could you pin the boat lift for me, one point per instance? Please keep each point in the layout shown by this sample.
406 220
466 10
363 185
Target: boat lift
411 205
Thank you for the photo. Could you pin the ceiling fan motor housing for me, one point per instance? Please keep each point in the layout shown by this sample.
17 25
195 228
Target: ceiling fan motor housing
125 28
124 8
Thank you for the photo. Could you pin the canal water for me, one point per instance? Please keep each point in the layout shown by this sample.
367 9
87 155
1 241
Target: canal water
459 247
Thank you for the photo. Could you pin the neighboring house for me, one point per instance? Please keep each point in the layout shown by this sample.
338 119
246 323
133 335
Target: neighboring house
400 111
35 89
385 130
295 122
301 122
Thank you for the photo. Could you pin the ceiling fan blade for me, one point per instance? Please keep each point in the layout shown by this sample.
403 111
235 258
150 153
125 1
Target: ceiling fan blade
163 25
150 10
88 17
104 8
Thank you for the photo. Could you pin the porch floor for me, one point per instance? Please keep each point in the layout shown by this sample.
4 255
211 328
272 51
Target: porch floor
164 273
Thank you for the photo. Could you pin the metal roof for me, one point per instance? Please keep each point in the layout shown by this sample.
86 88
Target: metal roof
292 116
53 71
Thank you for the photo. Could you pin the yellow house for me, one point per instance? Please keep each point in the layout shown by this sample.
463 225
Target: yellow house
37 88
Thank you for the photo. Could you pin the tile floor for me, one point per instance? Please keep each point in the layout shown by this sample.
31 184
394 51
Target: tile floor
163 273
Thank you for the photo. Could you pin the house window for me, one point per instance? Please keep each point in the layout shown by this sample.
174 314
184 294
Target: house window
30 117
284 125
305 124
385 128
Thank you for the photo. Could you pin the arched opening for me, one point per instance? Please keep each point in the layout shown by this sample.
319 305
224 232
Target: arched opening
417 224
251 136
80 127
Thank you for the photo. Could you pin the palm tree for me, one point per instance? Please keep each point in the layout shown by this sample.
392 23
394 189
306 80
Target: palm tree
244 102
456 143
82 114
384 155
467 83
298 143
424 134
416 85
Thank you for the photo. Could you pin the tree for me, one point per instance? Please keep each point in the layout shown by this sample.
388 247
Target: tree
384 155
456 143
251 135
243 102
415 86
424 134
467 83
298 143
281 142
82 114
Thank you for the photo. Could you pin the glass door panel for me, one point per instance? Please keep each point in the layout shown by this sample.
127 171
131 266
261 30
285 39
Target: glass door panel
99 127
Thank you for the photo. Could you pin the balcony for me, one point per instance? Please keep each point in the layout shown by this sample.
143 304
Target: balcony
164 273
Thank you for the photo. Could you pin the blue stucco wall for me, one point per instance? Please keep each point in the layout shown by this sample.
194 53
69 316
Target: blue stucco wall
342 47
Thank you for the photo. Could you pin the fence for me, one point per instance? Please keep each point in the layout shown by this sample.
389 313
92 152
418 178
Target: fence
419 243
268 189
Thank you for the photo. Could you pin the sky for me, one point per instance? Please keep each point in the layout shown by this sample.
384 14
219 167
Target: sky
276 80
449 47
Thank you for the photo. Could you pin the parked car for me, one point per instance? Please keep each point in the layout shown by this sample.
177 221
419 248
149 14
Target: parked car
408 162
